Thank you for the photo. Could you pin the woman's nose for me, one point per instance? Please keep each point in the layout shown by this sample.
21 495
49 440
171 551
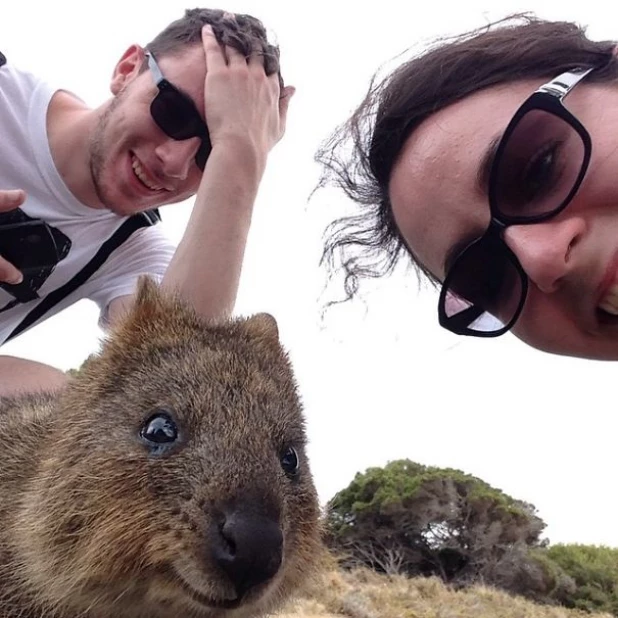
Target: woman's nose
546 250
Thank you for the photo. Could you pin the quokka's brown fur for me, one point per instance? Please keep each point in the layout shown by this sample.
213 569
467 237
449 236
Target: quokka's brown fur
167 480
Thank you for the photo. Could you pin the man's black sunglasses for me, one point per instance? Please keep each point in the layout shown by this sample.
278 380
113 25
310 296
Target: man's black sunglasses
176 115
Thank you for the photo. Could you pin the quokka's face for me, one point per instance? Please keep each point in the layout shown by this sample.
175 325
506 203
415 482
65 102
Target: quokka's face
192 492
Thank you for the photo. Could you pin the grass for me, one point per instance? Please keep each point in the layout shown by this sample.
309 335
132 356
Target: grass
366 594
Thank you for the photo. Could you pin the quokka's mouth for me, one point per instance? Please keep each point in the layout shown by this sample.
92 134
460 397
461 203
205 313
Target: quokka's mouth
206 600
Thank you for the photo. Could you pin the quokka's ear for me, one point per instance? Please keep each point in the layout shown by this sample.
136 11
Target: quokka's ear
127 333
148 296
264 325
149 306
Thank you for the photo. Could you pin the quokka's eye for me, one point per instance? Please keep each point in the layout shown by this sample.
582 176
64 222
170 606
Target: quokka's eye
290 462
159 431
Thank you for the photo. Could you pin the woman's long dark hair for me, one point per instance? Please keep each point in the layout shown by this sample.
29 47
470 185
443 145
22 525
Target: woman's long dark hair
360 155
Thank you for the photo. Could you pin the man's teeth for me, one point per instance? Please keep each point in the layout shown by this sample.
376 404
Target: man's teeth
609 304
139 172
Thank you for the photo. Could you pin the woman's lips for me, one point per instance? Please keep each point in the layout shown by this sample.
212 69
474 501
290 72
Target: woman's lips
608 297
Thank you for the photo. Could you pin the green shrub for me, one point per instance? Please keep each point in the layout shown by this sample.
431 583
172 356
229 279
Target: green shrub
594 569
418 520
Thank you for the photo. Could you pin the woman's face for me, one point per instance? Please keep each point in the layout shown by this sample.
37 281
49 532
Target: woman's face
439 199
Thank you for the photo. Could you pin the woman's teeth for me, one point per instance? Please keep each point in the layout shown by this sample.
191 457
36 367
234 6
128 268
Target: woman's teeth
609 302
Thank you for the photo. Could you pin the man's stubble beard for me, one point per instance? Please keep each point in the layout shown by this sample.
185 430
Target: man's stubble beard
98 148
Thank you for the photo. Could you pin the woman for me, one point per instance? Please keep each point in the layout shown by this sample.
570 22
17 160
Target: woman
490 160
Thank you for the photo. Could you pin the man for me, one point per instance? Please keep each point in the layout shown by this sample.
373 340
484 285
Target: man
194 112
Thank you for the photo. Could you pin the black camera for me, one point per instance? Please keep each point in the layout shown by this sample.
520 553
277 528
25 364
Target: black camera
29 246
32 246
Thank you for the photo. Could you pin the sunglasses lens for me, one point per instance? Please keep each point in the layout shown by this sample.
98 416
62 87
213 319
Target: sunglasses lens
483 291
539 166
203 152
175 115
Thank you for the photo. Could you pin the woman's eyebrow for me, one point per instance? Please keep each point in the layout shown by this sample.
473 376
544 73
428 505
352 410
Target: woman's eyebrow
487 161
482 185
453 253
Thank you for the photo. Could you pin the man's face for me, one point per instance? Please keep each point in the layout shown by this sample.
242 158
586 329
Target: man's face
135 166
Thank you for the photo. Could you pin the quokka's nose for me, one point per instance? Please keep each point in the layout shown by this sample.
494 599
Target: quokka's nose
248 548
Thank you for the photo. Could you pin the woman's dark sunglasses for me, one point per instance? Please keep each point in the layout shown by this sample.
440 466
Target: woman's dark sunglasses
539 164
176 115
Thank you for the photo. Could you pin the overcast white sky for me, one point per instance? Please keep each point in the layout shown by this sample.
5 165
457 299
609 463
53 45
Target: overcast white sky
380 382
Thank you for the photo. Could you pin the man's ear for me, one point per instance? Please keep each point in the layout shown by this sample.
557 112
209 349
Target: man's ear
128 68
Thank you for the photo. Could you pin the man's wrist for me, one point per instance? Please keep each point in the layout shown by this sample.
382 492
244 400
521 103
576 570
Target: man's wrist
241 157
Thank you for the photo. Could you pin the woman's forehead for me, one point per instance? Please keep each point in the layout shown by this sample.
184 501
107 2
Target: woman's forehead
435 188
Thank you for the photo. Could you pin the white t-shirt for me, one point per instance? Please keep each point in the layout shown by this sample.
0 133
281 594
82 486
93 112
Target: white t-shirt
26 163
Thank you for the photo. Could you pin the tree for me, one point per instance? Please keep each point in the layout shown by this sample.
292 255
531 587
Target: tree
434 522
594 570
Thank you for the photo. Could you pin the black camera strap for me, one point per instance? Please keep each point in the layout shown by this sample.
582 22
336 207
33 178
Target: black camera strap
131 225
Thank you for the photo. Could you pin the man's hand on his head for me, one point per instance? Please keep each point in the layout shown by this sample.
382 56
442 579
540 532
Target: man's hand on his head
245 108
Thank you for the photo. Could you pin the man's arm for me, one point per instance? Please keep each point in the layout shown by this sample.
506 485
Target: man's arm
206 265
19 376
245 114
